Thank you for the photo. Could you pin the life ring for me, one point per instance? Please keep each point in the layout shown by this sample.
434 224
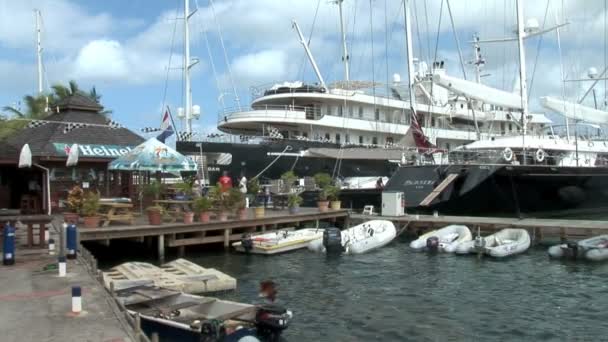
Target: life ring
507 154
540 155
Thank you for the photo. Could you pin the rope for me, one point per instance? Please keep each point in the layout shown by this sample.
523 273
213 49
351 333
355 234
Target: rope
162 109
540 41
287 148
219 32
213 69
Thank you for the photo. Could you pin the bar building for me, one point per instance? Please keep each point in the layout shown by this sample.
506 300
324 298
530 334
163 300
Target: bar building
77 120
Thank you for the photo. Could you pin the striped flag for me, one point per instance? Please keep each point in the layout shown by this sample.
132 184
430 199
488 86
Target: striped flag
165 127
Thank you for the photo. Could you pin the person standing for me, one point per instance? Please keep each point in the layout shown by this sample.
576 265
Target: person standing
225 182
243 185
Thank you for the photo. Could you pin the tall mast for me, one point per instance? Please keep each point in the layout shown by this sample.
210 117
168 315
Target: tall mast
478 60
410 58
522 73
38 50
309 54
187 88
344 49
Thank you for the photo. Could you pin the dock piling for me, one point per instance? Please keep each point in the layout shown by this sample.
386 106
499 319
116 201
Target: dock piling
161 247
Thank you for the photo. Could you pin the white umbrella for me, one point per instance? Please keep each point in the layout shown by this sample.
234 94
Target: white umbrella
73 156
25 157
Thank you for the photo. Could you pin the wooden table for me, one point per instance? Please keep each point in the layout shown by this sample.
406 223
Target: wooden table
30 221
174 207
117 211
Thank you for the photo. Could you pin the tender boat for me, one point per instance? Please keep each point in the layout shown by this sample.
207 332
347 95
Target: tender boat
356 240
445 239
176 316
594 249
509 241
179 275
279 241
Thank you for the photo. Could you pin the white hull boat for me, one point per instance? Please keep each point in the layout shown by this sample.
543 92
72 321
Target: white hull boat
178 275
279 241
445 239
356 240
594 249
509 241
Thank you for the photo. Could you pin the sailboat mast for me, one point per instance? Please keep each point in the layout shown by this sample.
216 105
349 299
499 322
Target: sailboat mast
522 73
345 56
410 57
187 87
39 50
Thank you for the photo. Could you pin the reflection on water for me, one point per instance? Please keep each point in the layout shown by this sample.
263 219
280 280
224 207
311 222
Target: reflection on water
394 294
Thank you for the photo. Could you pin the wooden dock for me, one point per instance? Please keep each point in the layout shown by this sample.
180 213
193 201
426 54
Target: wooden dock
180 235
538 228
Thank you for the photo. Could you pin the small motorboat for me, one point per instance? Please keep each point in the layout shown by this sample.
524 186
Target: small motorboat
445 239
177 316
356 240
280 241
509 241
178 275
594 249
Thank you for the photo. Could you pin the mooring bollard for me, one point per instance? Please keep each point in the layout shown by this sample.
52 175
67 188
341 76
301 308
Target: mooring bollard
8 245
76 299
62 266
51 247
71 241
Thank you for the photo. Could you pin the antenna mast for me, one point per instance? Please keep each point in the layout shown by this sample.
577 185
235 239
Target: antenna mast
309 54
410 58
345 56
522 73
38 50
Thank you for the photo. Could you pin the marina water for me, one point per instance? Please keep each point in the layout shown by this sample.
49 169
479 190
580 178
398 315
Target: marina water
395 294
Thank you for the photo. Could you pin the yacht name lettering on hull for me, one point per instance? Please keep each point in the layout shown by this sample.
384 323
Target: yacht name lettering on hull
422 182
213 169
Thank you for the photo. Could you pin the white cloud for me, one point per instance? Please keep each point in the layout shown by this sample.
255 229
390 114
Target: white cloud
266 65
101 60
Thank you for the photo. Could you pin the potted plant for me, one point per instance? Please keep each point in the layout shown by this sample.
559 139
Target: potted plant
237 201
185 189
289 178
90 209
293 202
323 181
74 203
332 193
155 215
202 205
188 217
221 201
254 190
154 189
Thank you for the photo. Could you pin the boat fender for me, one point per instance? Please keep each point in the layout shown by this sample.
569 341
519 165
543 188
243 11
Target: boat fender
247 242
540 155
432 243
507 154
370 232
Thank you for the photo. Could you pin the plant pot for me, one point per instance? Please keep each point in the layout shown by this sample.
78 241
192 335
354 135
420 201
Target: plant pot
323 205
222 215
71 218
335 205
154 217
258 212
91 221
188 217
294 209
242 213
204 217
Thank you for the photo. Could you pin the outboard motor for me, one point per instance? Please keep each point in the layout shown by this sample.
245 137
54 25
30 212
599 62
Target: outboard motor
480 244
432 244
271 320
572 250
247 242
332 240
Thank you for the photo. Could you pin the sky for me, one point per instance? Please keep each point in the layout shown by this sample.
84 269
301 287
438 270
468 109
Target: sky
132 51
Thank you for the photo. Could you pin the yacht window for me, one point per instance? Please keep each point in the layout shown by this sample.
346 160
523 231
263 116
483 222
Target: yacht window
377 114
337 138
374 141
347 138
502 128
305 135
461 105
510 127
447 146
340 111
389 140
361 139
329 110
350 111
327 137
360 112
432 121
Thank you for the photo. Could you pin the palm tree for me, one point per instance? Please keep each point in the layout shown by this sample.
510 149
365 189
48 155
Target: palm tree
36 108
60 92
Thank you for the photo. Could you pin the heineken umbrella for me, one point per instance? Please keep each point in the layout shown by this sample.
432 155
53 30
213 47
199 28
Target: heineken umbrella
153 155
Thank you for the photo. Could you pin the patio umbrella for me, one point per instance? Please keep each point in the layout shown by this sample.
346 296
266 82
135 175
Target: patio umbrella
153 155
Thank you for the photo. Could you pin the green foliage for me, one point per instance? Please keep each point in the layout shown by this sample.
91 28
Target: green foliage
322 180
90 204
155 189
294 200
253 186
158 208
219 198
236 199
75 199
331 192
186 187
289 178
202 204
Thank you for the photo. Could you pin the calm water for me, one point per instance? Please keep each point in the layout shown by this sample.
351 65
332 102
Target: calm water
394 294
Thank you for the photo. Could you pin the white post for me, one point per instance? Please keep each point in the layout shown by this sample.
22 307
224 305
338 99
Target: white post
62 266
187 89
76 299
309 54
522 73
410 57
344 49
38 50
